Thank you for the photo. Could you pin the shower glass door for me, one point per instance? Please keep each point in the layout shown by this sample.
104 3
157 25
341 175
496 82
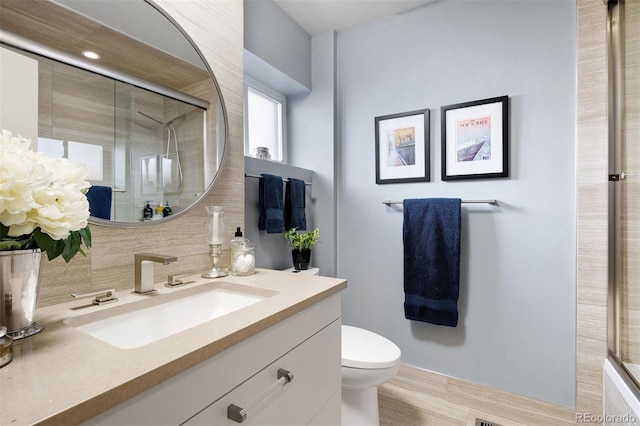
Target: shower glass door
628 217
159 153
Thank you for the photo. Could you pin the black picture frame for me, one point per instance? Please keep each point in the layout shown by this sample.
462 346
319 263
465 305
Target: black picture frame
402 146
475 139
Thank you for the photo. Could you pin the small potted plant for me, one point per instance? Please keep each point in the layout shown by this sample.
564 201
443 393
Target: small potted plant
301 243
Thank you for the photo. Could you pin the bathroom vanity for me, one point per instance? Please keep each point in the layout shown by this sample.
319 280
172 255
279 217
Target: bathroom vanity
276 361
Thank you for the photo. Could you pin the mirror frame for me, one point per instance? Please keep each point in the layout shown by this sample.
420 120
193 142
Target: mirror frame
222 110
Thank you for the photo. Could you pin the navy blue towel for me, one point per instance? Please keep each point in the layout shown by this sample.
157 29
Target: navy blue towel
294 204
99 198
431 236
270 202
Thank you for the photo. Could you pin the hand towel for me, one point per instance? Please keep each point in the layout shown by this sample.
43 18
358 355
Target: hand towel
431 237
294 204
270 202
99 198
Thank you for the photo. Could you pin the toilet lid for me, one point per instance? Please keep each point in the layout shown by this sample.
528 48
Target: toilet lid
365 349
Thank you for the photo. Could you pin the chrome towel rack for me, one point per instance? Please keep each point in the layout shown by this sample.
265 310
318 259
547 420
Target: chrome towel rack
492 202
283 179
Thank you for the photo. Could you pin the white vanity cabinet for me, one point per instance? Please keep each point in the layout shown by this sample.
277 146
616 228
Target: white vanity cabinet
307 344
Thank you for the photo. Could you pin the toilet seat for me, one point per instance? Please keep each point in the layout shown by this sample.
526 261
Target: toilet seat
367 350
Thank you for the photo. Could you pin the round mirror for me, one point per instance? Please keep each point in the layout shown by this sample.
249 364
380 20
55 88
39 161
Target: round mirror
122 89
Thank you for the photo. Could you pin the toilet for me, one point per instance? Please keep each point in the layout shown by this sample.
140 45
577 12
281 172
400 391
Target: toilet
368 360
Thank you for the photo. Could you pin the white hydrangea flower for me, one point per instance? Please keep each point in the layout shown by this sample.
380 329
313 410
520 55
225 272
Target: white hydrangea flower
38 191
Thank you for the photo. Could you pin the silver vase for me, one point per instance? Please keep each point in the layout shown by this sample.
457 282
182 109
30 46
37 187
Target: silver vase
19 284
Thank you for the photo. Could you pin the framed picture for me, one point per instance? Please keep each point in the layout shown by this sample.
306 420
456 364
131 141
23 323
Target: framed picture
475 139
402 147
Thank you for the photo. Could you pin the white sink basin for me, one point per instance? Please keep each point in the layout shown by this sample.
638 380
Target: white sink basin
137 324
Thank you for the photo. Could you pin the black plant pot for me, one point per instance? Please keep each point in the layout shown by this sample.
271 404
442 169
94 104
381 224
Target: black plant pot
301 259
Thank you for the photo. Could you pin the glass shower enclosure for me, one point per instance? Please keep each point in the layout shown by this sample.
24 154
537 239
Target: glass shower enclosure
624 185
149 148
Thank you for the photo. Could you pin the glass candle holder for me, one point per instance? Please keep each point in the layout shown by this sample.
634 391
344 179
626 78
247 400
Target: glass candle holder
215 235
215 228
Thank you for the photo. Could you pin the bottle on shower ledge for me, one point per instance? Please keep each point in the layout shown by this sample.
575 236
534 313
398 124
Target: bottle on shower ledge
167 210
159 210
147 213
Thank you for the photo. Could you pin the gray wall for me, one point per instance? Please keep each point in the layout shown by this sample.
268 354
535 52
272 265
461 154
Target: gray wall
518 281
272 250
517 301
273 37
311 119
312 136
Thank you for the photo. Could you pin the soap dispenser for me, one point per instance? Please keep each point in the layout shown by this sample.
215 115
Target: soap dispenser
147 213
243 258
167 210
239 239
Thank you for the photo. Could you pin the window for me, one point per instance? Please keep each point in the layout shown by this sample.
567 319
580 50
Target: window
264 117
89 155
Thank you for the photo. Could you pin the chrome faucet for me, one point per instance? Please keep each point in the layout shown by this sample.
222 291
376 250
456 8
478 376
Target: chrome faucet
144 270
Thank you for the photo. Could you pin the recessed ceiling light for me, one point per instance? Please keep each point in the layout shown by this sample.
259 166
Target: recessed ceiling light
90 54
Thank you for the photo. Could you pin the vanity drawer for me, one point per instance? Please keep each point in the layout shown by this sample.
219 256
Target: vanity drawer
315 365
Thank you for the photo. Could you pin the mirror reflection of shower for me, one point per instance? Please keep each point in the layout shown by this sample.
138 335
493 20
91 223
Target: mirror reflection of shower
164 153
158 156
170 166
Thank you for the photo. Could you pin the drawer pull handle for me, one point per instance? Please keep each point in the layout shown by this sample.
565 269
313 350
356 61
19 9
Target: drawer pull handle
239 414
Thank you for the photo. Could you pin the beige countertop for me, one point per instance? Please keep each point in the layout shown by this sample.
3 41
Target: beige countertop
64 376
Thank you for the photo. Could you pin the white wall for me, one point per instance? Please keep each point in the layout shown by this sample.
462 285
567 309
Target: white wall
518 281
19 95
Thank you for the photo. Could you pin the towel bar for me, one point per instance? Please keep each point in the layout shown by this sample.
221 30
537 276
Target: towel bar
283 179
493 202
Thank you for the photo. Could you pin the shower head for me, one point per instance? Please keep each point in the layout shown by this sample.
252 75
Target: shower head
180 117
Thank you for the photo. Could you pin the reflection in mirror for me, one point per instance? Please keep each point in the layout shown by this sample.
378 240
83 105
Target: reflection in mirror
148 126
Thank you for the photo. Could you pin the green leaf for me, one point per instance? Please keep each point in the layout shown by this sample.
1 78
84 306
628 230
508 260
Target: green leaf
68 247
43 240
55 249
11 245
4 231
71 246
52 247
302 240
85 233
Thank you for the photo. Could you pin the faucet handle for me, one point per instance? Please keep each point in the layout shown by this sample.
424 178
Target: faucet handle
102 297
174 281
177 280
